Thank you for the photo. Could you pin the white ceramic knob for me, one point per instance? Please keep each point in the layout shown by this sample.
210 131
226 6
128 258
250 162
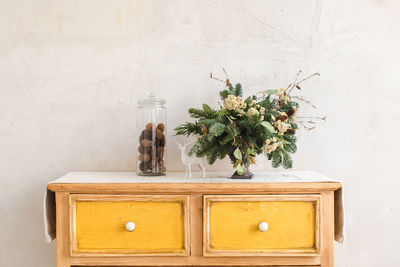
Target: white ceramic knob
263 226
130 226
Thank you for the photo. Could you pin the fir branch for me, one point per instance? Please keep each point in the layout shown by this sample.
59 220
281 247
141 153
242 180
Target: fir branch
202 114
188 129
238 91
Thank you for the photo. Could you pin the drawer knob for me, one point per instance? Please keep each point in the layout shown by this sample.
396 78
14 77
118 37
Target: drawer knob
130 226
263 226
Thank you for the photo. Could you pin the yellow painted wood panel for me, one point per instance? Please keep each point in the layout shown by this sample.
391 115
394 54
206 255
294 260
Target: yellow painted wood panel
234 225
100 225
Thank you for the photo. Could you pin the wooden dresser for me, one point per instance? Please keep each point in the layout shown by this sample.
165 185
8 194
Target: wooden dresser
119 219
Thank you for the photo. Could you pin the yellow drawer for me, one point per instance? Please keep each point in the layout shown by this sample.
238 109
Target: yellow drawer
261 225
134 225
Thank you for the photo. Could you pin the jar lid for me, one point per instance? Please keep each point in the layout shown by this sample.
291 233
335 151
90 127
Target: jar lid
151 99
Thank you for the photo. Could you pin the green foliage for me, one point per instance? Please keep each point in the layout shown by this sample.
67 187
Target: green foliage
188 129
224 94
237 154
268 126
240 169
238 91
199 114
241 135
276 159
216 129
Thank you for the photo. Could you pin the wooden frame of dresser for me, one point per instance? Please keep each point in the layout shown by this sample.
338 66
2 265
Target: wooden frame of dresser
196 192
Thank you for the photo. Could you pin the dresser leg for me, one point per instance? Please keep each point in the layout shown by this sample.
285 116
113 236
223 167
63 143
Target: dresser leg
328 229
62 227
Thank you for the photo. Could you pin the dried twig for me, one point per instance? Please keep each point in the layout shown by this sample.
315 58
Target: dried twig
226 74
212 77
317 118
304 100
309 121
312 75
296 84
306 127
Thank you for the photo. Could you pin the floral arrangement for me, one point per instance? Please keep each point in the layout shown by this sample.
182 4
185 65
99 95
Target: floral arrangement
245 127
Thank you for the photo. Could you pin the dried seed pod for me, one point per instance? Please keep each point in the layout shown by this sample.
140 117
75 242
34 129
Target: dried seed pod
147 134
162 142
291 111
291 131
144 166
160 152
147 143
149 126
144 150
161 127
159 134
141 149
144 157
282 117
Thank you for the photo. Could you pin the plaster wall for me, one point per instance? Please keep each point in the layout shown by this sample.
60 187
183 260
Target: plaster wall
71 72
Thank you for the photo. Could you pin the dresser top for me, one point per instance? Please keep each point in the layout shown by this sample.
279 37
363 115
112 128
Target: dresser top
179 177
119 179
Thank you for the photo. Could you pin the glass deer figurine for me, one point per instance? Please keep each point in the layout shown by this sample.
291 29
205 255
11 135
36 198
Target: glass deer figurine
189 160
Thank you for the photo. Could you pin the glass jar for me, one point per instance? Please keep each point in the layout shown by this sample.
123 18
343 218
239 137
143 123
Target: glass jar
151 128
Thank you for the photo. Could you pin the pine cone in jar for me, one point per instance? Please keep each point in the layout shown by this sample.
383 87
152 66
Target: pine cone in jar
147 143
146 134
144 157
159 134
161 127
149 126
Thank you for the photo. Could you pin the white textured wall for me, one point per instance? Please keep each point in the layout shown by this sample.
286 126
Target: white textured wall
71 71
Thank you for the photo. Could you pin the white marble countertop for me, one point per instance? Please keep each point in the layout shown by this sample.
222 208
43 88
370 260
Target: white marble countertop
179 177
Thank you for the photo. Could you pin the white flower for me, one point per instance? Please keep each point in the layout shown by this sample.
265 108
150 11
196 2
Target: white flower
271 145
234 103
252 111
262 110
281 126
281 92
